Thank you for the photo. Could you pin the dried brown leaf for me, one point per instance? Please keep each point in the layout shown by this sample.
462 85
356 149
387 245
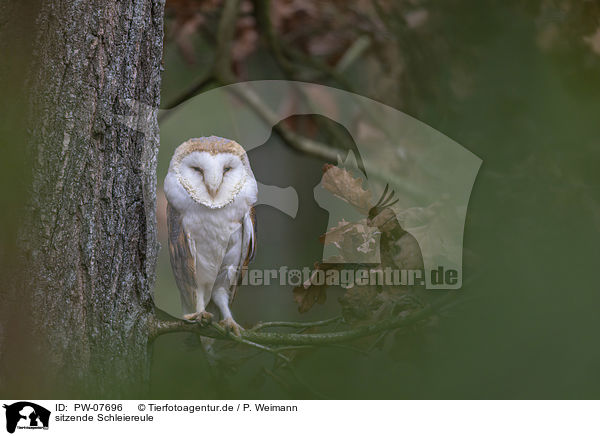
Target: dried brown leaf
307 297
355 241
341 183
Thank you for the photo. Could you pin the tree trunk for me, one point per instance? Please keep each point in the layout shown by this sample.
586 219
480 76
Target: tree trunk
91 234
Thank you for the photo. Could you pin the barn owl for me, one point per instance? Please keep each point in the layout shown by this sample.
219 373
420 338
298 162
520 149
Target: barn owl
211 190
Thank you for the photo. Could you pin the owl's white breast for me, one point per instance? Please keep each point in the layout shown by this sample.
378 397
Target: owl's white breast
210 229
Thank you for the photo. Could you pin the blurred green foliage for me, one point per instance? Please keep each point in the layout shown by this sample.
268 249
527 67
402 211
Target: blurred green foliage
517 84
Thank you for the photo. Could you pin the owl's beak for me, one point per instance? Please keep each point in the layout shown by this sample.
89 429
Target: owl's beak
211 191
213 188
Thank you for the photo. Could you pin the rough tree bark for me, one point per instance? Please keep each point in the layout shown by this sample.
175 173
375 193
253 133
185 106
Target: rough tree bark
91 237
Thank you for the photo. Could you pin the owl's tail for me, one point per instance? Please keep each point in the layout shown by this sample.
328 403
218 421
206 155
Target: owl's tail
207 346
195 340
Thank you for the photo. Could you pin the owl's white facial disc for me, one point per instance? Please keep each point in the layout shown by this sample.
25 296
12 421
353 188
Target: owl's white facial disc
213 180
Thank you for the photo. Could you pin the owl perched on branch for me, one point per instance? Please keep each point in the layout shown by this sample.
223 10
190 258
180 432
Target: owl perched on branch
211 190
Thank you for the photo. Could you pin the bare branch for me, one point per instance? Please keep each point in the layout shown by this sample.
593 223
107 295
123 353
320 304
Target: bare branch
225 34
173 325
293 324
192 91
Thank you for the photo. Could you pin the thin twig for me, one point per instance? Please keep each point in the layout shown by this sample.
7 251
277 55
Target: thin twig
294 348
293 324
284 384
225 34
192 91
288 363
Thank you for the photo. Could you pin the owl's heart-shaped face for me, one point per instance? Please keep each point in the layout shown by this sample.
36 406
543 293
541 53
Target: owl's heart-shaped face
211 179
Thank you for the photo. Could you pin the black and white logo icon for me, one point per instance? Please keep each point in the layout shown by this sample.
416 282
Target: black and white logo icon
26 415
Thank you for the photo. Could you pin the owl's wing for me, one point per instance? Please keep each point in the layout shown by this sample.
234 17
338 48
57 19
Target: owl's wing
250 236
248 248
183 257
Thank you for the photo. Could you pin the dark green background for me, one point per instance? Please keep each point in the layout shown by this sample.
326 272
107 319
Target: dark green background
528 325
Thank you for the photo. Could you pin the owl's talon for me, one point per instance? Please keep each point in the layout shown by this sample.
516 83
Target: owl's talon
203 318
231 326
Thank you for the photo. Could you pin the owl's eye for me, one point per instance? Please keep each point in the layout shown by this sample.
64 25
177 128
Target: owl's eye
226 169
198 170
